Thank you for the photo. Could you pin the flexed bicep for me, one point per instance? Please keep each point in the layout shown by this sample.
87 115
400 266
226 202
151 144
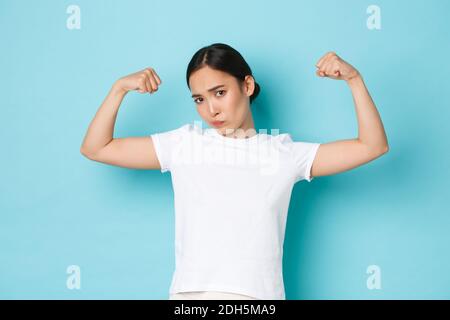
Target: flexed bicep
342 155
130 152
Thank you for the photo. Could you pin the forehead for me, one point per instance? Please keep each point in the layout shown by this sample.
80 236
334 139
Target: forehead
203 79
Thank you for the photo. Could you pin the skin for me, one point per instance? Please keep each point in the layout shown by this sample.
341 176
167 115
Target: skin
231 103
343 155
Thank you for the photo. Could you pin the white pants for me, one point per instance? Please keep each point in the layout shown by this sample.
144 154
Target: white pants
208 295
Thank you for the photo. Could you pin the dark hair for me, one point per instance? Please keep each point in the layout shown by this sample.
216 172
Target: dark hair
222 57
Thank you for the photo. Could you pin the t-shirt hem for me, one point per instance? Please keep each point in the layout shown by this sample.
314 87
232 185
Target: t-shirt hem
158 151
308 176
223 288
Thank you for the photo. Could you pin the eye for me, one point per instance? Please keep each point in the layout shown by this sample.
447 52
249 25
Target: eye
221 91
196 100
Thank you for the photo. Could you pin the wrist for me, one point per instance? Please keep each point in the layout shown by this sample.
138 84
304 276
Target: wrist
118 88
357 78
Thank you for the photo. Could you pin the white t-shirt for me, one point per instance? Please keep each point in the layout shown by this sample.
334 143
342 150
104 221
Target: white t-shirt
231 202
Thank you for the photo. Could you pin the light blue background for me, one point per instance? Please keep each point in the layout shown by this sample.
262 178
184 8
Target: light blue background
60 209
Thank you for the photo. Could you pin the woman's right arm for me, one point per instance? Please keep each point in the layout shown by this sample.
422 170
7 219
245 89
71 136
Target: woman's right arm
130 152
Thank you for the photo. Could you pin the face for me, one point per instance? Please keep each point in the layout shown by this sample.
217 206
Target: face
219 96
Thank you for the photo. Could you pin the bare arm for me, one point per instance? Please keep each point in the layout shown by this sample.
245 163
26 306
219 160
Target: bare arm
131 152
371 143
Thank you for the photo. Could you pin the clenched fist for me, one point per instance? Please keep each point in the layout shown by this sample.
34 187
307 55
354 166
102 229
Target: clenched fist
142 81
332 66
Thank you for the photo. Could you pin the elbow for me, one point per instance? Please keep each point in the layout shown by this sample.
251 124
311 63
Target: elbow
377 151
383 150
386 145
83 152
86 153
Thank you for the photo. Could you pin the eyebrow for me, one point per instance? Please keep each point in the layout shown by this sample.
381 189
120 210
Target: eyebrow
212 89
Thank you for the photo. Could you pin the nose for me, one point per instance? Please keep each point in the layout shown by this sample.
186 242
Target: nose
212 108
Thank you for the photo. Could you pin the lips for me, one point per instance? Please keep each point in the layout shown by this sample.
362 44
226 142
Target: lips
217 123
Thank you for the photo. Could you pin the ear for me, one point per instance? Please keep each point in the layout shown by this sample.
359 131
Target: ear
249 85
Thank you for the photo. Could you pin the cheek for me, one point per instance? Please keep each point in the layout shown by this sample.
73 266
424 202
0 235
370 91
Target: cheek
232 101
202 112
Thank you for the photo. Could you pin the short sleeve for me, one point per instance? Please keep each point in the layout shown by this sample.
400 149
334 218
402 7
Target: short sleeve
165 145
303 154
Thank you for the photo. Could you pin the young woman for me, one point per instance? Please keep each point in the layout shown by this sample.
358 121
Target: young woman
232 186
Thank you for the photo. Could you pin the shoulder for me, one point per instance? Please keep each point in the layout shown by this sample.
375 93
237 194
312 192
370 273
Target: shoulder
173 136
282 140
178 131
285 141
189 128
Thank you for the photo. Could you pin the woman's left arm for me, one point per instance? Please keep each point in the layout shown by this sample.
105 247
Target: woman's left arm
342 155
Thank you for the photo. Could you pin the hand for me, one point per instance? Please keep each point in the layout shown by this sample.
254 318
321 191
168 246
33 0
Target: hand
332 66
143 81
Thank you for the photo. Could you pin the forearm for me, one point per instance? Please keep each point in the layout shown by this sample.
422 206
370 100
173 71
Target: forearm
101 129
370 127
